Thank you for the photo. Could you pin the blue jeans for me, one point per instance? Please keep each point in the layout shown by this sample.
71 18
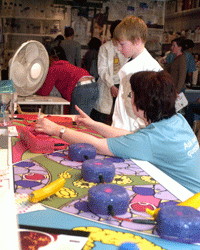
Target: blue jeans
84 97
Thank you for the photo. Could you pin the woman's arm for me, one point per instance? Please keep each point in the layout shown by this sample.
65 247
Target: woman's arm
101 128
71 136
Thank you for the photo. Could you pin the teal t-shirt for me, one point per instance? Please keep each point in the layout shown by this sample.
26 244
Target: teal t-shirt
169 144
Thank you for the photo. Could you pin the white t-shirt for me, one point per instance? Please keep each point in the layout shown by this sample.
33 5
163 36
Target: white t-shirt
123 116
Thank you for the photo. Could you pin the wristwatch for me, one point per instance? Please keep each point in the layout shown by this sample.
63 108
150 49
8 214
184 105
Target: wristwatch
62 131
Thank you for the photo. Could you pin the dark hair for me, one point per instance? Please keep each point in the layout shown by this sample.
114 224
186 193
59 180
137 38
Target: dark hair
69 31
188 43
154 93
94 43
113 26
59 38
180 42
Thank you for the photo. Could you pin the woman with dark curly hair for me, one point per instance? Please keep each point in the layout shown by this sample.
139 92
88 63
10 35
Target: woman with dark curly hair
167 141
157 97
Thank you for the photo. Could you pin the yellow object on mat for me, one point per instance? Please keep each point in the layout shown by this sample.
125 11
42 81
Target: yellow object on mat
193 201
47 191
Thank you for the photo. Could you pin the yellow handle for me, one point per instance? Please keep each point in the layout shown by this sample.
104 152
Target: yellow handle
193 201
47 191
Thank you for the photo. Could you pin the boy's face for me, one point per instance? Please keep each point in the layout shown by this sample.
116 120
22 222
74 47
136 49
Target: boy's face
126 48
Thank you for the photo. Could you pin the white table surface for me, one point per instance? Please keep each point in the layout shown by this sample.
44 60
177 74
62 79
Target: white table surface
171 185
43 100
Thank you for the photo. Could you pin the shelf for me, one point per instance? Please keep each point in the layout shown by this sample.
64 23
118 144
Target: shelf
78 4
170 43
32 18
10 50
183 13
155 26
28 34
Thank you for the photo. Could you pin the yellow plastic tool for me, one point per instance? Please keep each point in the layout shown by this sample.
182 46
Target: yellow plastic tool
47 191
193 201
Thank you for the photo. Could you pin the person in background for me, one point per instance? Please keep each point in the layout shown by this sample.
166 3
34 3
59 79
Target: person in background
89 61
131 36
109 62
72 48
197 62
75 84
167 141
98 22
191 65
169 58
178 67
56 50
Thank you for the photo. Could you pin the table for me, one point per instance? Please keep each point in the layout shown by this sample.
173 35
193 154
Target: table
7 205
56 219
192 95
61 220
43 100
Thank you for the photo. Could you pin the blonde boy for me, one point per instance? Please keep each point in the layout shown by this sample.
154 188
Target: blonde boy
131 36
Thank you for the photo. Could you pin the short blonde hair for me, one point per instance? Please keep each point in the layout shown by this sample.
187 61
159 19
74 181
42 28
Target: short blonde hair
131 28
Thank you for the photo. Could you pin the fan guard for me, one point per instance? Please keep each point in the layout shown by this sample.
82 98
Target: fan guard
29 67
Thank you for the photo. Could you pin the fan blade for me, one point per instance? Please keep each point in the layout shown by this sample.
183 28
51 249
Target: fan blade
32 52
18 74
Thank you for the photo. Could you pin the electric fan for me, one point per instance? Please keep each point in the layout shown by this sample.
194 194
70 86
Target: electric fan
28 67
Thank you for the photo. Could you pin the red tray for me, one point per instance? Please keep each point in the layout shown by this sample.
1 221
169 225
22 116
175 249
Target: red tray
40 142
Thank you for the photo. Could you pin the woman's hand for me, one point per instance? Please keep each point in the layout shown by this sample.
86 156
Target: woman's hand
114 91
83 118
46 126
